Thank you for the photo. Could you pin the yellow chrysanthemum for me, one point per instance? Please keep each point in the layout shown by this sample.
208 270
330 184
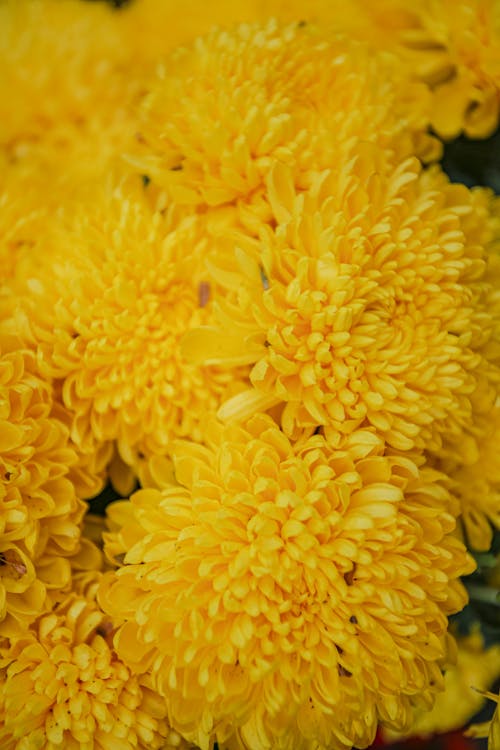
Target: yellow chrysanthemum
119 286
452 46
66 111
152 28
64 688
365 303
67 92
470 457
475 670
477 483
87 470
224 110
287 595
40 516
21 218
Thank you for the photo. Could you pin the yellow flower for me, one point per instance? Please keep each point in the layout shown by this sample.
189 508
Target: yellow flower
287 595
40 512
365 303
87 469
475 671
224 110
119 286
470 457
21 220
67 92
454 47
63 688
476 482
153 28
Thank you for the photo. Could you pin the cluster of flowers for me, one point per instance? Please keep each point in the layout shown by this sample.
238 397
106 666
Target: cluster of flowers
237 285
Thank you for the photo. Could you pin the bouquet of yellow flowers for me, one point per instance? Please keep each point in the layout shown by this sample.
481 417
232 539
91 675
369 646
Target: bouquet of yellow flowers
241 298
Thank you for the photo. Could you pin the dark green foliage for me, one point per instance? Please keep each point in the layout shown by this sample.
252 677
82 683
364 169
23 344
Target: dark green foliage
98 504
474 162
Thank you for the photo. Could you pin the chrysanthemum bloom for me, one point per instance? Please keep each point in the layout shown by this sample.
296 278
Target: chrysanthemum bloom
40 513
454 47
287 596
20 216
90 472
64 688
477 482
107 311
365 304
223 110
475 670
87 470
470 457
66 89
152 28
